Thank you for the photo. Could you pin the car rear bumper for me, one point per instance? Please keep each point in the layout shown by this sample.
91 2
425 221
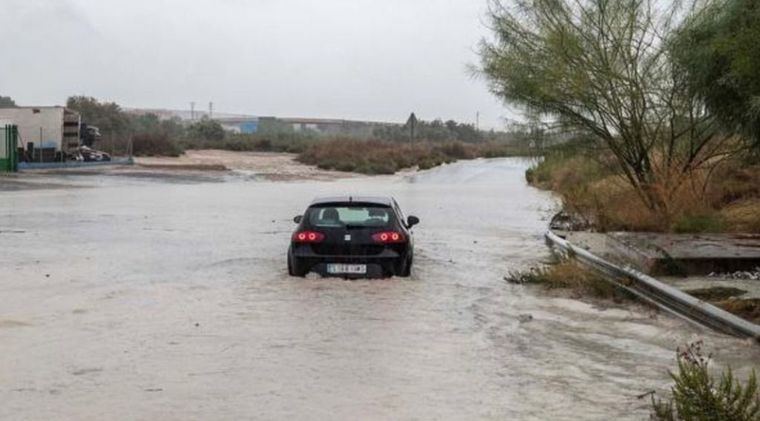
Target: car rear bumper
378 265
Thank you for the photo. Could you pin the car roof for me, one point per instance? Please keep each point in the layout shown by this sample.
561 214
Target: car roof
372 200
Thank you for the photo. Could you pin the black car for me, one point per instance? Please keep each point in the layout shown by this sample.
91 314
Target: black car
352 237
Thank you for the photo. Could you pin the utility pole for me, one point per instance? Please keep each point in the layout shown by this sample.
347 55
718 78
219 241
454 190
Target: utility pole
192 110
477 120
210 110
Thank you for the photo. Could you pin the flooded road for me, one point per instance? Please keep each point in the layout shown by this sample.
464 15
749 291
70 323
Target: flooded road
149 298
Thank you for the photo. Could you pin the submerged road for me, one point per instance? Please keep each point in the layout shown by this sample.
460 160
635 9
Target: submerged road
125 298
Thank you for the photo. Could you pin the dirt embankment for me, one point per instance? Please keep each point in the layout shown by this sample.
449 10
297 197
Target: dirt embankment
273 166
193 166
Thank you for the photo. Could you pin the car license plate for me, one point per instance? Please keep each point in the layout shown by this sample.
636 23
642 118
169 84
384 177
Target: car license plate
336 268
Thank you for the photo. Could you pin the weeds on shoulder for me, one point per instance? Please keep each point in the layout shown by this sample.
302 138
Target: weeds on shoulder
698 396
567 274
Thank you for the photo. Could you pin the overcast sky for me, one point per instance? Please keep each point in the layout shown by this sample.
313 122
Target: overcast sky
356 59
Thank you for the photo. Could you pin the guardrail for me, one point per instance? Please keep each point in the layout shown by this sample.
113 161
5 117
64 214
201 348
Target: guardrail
659 294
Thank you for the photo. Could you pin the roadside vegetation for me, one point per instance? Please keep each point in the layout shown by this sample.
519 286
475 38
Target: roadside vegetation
387 157
596 195
421 144
699 395
663 101
569 275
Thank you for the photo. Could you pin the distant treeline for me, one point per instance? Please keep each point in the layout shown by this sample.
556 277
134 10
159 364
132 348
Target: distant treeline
434 131
147 134
434 142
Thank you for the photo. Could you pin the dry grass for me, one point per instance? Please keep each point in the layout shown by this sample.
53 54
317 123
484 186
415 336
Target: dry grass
569 275
748 308
726 200
742 216
384 157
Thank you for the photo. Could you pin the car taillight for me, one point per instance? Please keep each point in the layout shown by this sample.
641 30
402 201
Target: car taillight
389 237
308 237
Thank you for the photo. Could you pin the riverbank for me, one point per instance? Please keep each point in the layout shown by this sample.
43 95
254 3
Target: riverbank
331 159
194 166
707 238
276 166
596 196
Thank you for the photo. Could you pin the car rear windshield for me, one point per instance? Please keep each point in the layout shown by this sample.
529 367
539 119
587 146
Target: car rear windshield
350 216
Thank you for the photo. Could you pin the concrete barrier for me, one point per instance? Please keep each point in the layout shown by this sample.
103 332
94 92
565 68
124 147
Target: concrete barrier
661 295
72 164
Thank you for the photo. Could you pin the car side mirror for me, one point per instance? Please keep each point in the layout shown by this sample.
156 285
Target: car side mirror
412 221
298 219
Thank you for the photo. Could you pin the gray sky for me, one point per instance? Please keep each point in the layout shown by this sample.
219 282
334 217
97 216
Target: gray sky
357 59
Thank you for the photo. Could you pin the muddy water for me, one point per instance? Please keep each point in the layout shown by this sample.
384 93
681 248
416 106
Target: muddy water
168 298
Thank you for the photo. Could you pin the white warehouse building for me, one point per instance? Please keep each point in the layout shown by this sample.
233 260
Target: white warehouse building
49 130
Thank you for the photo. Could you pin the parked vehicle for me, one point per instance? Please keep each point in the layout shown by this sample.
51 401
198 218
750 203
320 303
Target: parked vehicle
88 154
352 237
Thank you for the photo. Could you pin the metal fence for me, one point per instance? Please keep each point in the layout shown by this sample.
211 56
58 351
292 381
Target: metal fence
8 148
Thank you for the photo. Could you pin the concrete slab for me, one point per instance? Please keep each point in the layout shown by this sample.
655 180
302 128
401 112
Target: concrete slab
602 245
690 254
691 283
674 254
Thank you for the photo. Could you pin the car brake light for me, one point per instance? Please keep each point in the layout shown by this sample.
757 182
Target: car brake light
389 237
308 237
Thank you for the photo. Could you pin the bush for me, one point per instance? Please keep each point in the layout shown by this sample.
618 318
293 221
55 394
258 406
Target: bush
698 223
206 129
155 144
697 395
729 200
385 157
746 308
569 275
259 142
742 216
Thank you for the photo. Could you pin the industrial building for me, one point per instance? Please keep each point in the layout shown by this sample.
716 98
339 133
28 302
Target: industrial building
323 126
244 125
250 124
45 134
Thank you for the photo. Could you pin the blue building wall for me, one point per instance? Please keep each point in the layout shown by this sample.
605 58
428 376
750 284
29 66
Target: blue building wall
249 127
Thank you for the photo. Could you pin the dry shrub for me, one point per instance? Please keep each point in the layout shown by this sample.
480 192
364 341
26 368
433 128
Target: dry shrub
155 144
569 275
742 216
717 198
746 308
615 205
384 157
733 182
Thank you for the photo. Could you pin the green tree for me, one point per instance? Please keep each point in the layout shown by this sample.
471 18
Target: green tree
603 67
720 51
146 123
7 102
152 124
206 129
173 128
113 122
434 131
464 132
